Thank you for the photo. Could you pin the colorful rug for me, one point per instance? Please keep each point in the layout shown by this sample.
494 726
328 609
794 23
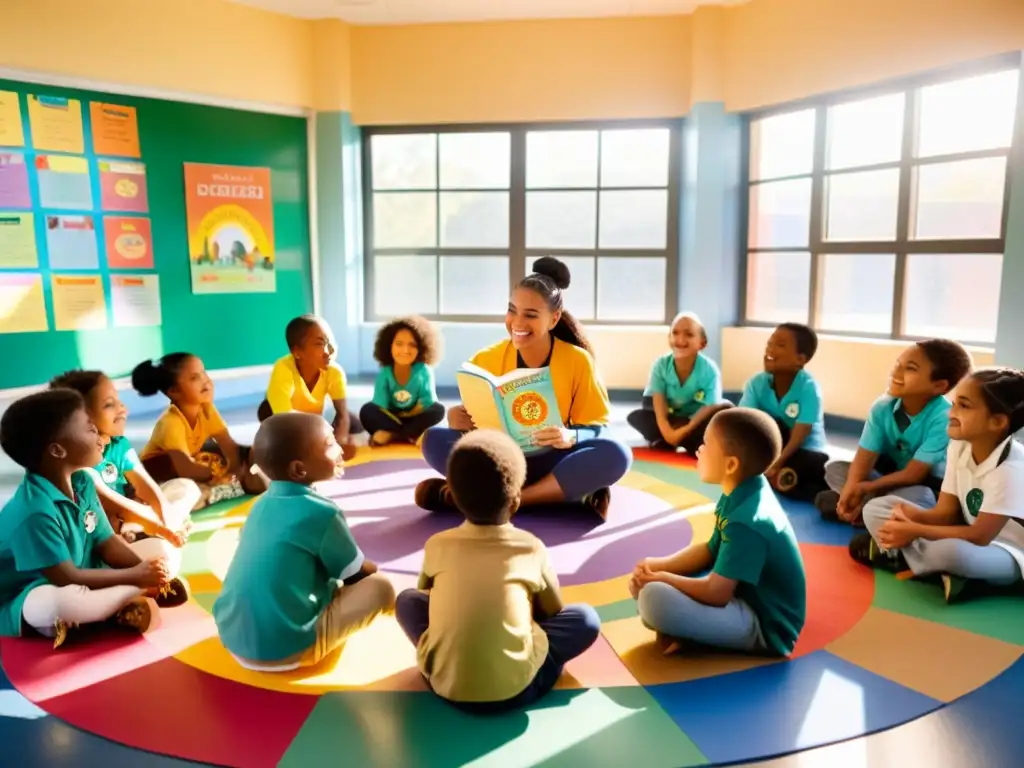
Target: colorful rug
876 652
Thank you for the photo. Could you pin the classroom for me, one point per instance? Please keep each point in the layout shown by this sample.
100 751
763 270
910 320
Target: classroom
190 177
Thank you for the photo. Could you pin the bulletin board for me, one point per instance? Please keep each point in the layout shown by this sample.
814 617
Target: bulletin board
94 248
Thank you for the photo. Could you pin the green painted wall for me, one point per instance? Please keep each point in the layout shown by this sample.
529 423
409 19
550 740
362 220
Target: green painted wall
226 330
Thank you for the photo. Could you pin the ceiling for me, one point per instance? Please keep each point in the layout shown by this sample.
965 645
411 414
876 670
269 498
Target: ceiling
432 11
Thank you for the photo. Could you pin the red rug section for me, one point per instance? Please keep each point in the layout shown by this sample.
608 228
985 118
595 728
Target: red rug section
684 460
839 593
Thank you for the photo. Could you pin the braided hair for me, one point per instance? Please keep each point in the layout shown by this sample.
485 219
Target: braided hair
549 280
1002 388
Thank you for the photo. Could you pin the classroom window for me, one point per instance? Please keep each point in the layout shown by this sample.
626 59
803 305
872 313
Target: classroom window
455 216
884 214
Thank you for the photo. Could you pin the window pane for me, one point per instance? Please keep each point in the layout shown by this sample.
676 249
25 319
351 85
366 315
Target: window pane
862 206
782 145
561 219
579 296
404 285
631 288
866 132
960 200
404 220
634 219
474 285
561 159
940 302
475 160
778 287
780 214
635 158
857 292
404 161
966 115
474 219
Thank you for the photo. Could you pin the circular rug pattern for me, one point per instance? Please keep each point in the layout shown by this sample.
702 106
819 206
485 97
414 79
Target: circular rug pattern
875 652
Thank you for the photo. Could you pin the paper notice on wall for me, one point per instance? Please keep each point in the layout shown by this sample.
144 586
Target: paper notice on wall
123 187
56 124
135 300
14 192
12 132
79 302
71 242
18 241
64 182
129 242
22 306
115 130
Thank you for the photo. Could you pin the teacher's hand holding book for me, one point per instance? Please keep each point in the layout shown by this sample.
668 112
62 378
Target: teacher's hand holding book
554 437
459 419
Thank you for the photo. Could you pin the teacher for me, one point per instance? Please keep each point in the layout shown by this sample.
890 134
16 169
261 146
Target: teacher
583 464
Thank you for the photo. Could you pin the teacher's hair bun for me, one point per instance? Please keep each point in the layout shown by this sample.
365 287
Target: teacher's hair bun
554 269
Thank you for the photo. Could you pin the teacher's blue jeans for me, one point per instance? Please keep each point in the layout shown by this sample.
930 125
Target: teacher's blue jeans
580 470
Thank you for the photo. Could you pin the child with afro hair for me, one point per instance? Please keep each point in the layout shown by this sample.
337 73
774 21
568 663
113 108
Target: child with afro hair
404 403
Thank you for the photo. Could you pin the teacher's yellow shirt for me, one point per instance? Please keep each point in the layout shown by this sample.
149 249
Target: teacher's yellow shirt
287 390
582 398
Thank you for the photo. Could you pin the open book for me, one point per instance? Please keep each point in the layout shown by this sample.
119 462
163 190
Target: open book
517 403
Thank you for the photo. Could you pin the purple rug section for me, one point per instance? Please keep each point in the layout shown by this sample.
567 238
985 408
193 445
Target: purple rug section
377 498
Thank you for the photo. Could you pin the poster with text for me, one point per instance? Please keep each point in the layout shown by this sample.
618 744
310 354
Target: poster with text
123 187
230 229
14 192
79 302
22 306
18 241
129 242
71 242
12 133
135 300
64 182
56 124
115 130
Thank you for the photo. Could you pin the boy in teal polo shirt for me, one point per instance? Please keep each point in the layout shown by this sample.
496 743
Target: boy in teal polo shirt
787 392
60 563
683 393
902 449
298 585
753 598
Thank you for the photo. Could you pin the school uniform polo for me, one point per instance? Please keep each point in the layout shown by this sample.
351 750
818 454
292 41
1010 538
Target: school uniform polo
483 644
287 390
996 486
419 390
802 404
890 431
118 457
294 551
754 544
40 527
702 387
172 432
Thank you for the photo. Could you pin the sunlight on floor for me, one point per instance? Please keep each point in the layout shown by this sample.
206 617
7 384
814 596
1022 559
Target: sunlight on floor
14 705
821 711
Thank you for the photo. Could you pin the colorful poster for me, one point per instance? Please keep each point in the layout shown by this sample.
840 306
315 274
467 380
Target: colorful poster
18 241
79 302
12 133
14 181
230 229
71 242
123 187
115 130
129 242
22 306
56 124
64 182
135 300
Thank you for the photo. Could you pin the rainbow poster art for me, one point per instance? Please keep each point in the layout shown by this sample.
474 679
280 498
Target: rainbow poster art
230 219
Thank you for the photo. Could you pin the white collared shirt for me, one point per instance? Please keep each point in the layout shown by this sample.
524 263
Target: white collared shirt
996 486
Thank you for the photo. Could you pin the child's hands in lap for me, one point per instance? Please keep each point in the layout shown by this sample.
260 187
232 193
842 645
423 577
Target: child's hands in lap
150 573
897 532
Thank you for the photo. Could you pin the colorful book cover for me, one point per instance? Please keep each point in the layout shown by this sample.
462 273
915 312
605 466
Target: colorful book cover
518 403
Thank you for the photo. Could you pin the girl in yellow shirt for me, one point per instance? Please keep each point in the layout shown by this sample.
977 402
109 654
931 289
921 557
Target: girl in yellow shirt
542 333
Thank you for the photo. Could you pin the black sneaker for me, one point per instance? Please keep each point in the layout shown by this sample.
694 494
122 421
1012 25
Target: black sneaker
598 501
865 550
954 587
827 504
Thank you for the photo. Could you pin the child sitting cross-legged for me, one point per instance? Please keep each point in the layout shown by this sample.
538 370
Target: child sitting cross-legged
298 585
753 597
61 565
488 622
974 533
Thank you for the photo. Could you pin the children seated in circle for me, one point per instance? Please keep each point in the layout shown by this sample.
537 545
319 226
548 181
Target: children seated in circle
308 375
787 392
404 403
61 564
902 448
974 532
488 621
684 390
582 464
190 439
753 597
298 584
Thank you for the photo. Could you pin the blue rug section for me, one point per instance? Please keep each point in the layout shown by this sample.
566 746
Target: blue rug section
811 529
781 708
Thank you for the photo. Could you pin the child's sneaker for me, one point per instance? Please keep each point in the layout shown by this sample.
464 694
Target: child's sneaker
954 587
141 615
433 495
827 504
787 479
61 629
380 437
865 550
598 501
175 593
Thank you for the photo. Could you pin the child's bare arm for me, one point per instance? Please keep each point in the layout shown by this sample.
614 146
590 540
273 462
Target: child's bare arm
945 512
232 455
661 416
146 489
696 557
126 568
714 589
365 570
185 466
342 420
116 505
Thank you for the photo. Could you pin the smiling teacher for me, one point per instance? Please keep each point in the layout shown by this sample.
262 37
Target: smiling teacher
583 464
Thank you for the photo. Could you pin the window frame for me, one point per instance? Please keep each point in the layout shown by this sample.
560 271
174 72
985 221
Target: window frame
903 245
517 252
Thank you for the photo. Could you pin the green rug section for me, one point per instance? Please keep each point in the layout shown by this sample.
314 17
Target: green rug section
998 615
687 478
621 609
611 726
